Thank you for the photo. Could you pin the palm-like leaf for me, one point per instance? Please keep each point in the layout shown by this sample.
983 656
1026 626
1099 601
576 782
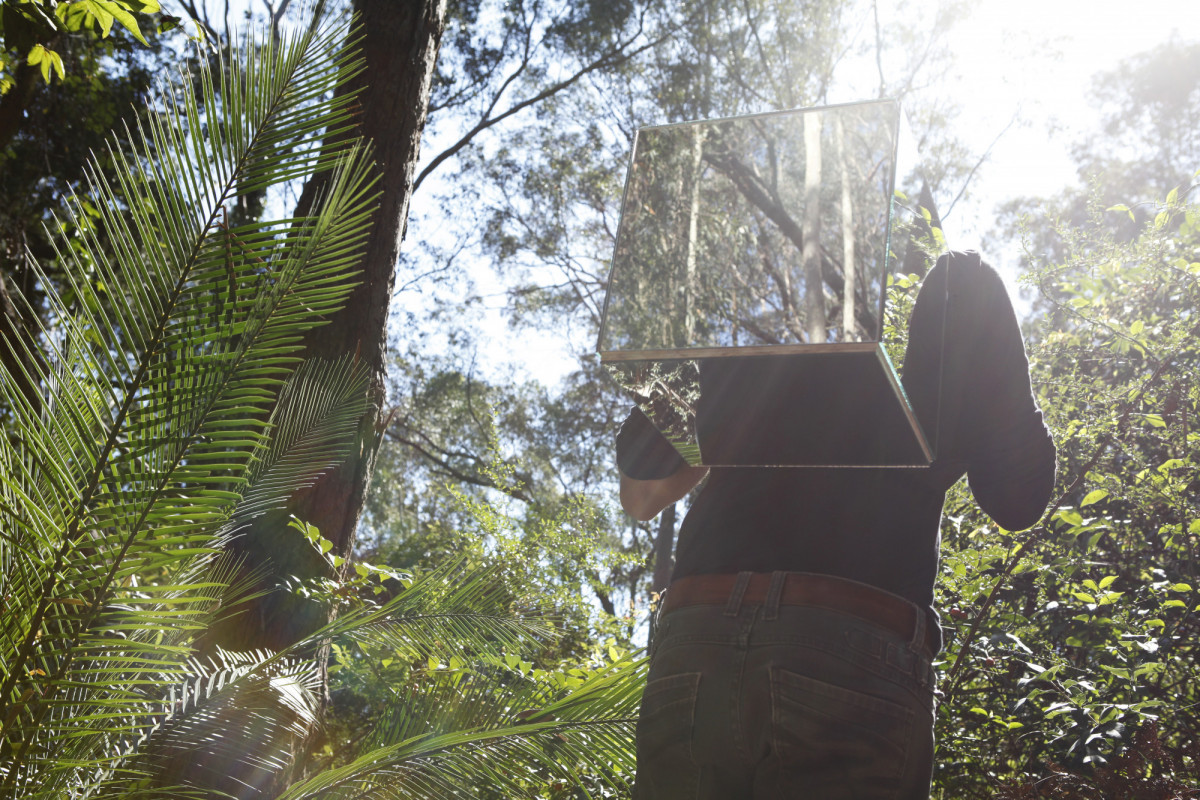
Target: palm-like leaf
151 442
507 740
487 731
166 425
450 611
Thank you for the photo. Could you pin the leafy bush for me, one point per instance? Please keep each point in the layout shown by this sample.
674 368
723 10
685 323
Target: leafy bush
1072 667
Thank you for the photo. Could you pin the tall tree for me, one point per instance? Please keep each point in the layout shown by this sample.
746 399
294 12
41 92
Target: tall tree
488 78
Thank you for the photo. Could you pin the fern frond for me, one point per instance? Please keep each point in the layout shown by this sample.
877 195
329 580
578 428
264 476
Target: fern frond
591 745
452 610
152 440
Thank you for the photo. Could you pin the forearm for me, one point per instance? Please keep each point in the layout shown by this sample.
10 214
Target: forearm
1013 475
644 499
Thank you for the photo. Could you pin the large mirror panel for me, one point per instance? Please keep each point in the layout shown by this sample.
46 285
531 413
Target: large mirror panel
768 240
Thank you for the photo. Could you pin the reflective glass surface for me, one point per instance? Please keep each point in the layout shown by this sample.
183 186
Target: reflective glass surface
765 237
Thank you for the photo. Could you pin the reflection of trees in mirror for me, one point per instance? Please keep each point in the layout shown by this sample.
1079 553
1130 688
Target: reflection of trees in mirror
717 215
667 393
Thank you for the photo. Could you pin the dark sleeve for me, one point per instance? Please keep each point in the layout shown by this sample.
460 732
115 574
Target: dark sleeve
986 419
643 453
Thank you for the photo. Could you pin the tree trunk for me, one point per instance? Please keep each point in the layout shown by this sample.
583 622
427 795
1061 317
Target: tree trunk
849 332
814 283
690 243
664 545
399 41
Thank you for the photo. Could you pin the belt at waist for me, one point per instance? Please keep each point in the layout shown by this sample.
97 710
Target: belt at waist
807 589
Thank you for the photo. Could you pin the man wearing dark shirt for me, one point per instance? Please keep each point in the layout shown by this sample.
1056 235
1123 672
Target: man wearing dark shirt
793 656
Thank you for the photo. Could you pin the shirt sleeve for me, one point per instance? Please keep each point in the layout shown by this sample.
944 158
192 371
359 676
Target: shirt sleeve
982 411
643 453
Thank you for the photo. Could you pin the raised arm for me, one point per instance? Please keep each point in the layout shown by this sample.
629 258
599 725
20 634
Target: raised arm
653 474
987 420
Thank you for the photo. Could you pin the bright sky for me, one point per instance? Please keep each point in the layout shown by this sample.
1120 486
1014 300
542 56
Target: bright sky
1035 59
1028 59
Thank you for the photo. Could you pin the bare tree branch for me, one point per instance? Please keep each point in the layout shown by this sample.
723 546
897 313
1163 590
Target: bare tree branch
429 453
612 58
971 175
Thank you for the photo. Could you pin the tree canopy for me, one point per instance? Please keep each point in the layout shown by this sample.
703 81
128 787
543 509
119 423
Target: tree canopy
478 630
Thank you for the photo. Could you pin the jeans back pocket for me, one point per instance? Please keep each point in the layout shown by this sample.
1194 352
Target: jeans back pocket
665 765
842 741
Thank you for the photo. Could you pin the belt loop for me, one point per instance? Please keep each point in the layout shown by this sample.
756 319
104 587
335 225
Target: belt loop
774 593
917 645
735 596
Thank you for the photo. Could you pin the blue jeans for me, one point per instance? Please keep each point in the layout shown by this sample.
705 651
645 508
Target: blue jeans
745 701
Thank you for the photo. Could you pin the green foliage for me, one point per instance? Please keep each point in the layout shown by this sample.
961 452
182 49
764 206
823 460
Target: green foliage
30 27
164 410
166 416
534 465
446 697
1073 664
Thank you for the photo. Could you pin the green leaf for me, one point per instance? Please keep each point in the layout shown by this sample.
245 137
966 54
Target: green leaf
155 443
40 56
1125 208
96 10
120 12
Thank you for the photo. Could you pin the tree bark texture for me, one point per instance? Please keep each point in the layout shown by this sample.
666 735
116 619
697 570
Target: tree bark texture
399 40
849 265
814 289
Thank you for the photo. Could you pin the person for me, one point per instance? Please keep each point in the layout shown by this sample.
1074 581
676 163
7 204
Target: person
793 653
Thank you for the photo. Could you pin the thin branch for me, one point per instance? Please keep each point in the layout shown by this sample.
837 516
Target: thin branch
971 175
610 59
473 479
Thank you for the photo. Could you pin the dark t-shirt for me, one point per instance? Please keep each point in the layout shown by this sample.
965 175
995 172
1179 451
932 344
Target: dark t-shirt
882 526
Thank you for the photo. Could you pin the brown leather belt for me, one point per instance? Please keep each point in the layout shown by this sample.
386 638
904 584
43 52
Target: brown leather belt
805 589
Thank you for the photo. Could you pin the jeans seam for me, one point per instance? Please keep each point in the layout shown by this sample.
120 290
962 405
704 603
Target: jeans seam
742 652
